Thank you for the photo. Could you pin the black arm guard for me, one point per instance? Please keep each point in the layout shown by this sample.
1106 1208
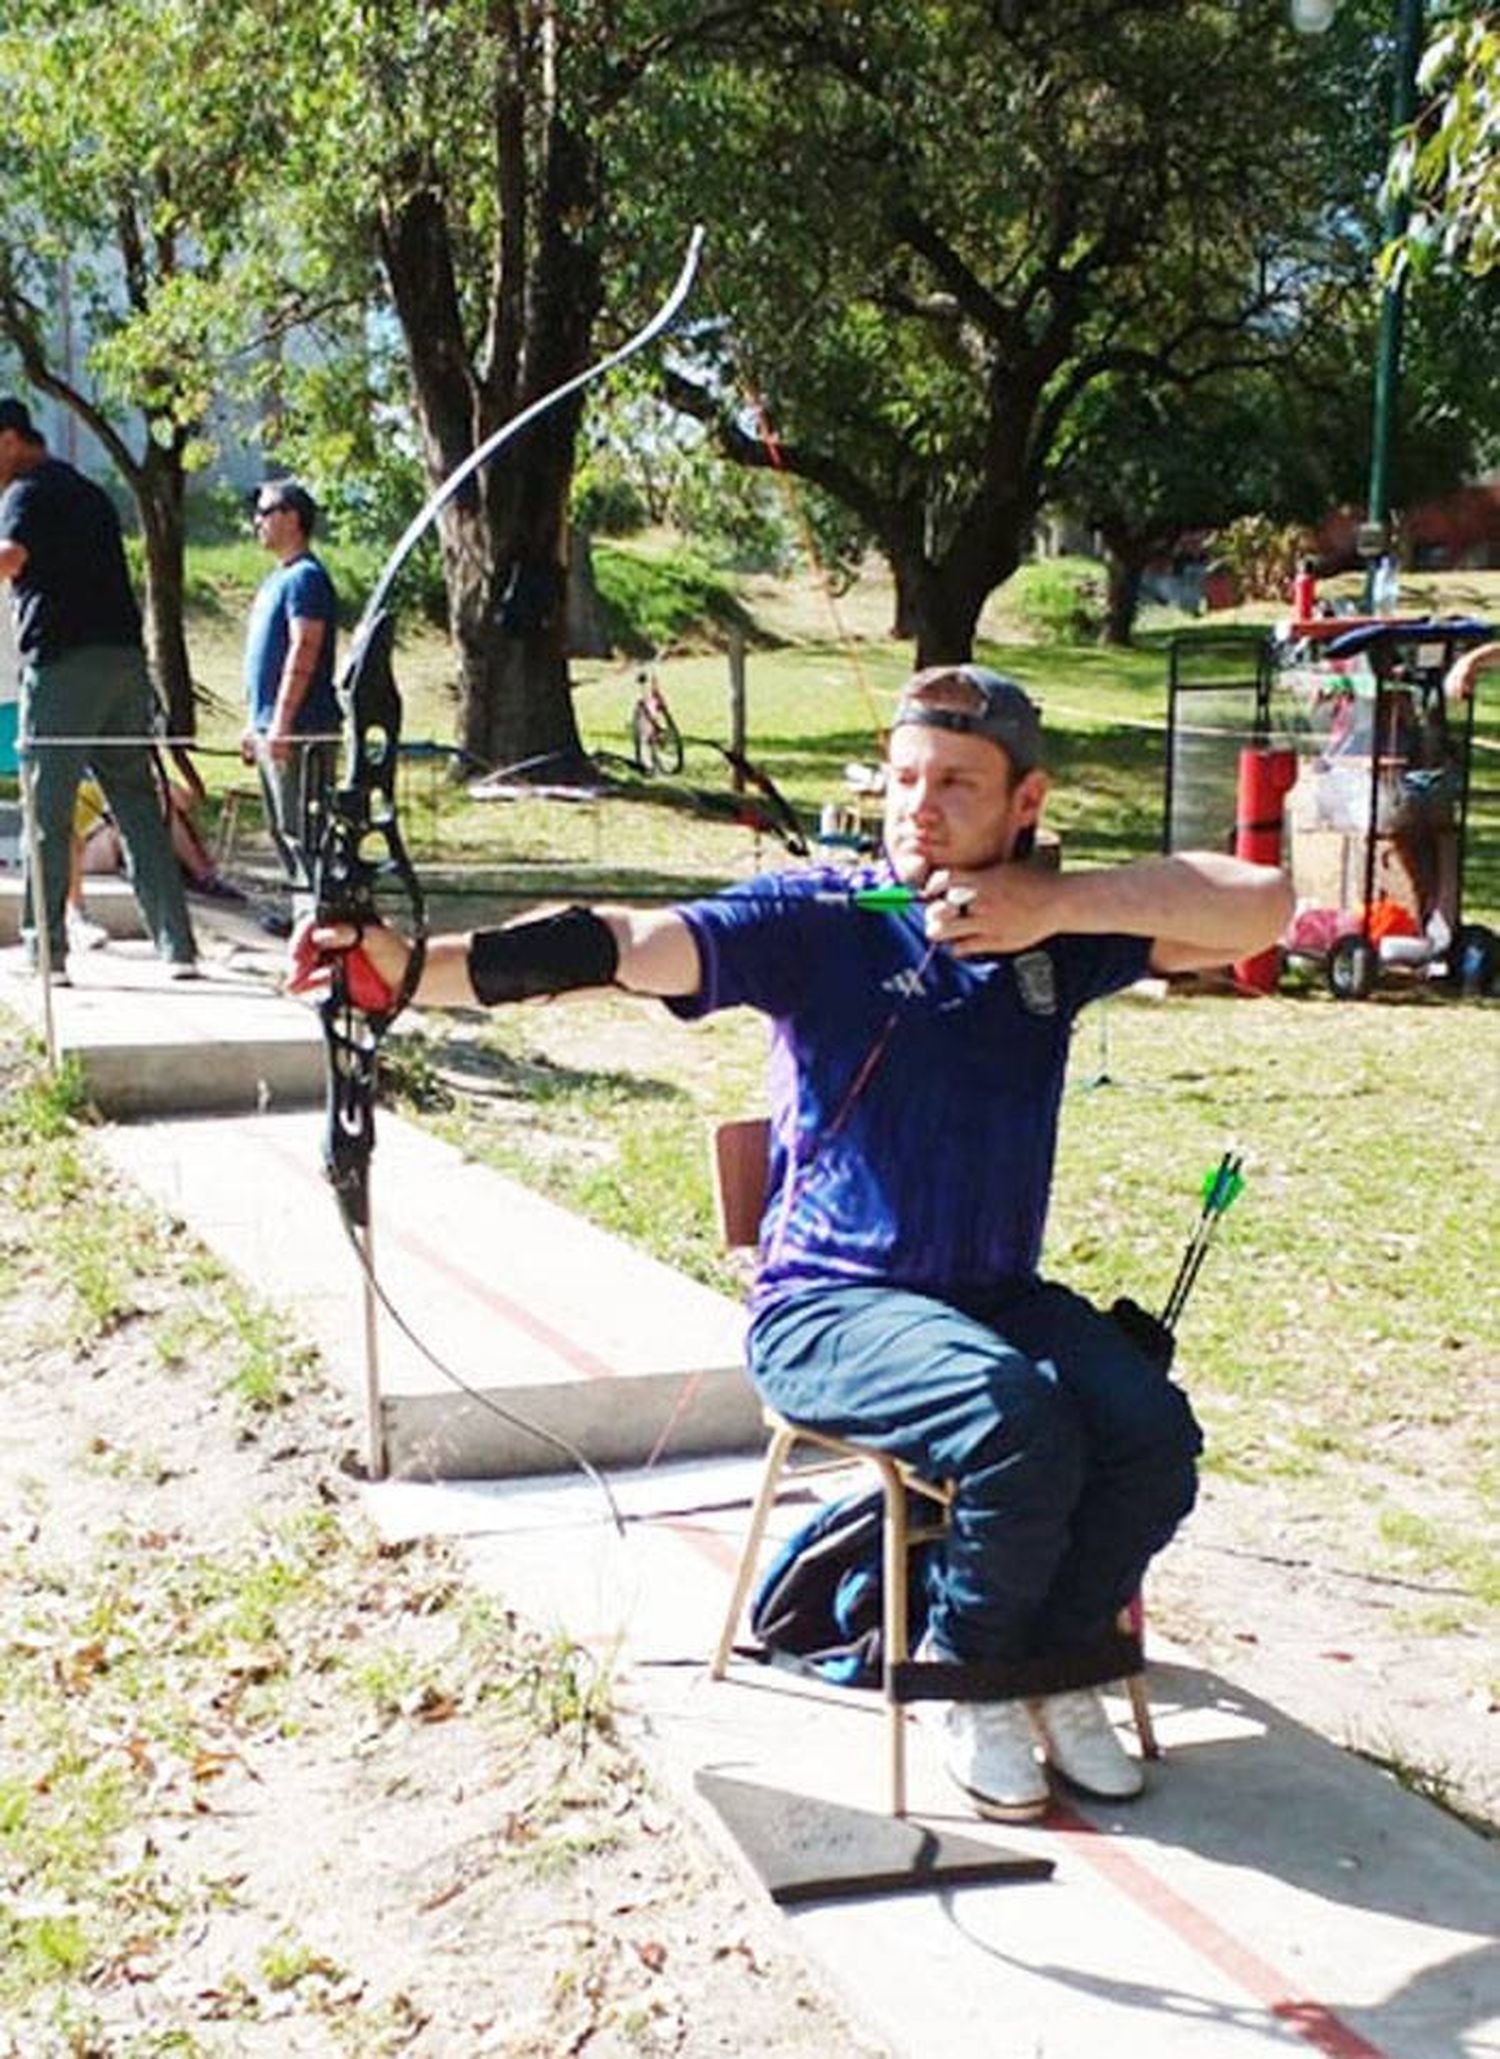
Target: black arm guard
550 955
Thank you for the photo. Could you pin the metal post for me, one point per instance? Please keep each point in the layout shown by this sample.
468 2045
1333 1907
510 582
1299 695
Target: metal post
36 879
737 701
1409 28
375 1453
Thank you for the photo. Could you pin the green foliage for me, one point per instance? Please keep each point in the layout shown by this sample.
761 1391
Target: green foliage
1057 600
136 194
738 518
652 602
1449 162
919 309
606 501
1260 554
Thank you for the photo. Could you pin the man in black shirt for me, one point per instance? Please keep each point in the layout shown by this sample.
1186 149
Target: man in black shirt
83 682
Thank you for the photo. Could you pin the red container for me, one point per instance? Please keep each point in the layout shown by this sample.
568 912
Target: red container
1265 780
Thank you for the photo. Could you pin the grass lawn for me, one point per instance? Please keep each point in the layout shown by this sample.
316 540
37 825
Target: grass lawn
1344 1336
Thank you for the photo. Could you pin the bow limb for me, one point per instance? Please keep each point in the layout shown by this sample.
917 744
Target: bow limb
361 844
492 445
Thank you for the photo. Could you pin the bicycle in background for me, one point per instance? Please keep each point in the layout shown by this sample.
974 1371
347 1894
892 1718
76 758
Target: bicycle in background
655 739
658 750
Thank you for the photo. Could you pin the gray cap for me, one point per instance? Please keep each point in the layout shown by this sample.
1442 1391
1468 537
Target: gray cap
975 702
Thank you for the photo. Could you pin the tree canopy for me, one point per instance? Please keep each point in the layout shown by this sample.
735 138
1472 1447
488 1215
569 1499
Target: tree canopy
1450 160
936 227
955 247
134 140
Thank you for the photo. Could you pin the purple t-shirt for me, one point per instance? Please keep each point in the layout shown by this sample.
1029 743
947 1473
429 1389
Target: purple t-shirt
914 1094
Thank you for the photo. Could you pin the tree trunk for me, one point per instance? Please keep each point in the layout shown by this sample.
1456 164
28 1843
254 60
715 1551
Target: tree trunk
588 619
158 485
509 619
503 536
1123 597
939 603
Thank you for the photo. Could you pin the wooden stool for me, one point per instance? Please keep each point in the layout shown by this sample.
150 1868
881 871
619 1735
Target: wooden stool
739 1167
230 803
898 1535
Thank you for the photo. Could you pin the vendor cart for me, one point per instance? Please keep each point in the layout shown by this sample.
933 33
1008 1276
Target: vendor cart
1335 747
1375 755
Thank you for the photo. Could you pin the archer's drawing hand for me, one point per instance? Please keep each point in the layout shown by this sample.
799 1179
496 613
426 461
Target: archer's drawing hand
988 913
374 960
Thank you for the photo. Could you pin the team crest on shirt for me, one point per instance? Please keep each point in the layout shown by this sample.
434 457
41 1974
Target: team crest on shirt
1036 982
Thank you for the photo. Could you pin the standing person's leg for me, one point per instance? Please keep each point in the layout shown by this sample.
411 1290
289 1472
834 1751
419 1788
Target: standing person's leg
295 795
1142 1444
54 708
911 1376
281 787
125 772
315 770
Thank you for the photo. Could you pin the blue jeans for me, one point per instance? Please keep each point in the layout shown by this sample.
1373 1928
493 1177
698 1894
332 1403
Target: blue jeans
1073 1457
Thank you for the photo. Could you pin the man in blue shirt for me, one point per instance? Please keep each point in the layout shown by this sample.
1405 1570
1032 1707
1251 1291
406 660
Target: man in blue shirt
916 1071
86 697
292 711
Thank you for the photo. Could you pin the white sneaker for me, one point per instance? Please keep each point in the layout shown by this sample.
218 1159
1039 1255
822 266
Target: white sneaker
989 1749
991 1753
1081 1745
84 935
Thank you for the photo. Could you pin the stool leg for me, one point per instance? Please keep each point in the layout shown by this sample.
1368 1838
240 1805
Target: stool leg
1133 1619
897 1633
1140 1712
229 815
776 1453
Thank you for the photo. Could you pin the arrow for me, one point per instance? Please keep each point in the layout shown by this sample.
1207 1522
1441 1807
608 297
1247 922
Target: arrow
1221 1188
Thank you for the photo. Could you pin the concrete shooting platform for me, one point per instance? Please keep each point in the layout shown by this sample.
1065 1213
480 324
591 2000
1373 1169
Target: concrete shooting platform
1270 1894
145 1042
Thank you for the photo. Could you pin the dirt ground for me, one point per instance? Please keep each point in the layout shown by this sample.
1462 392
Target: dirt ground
427 1867
395 1857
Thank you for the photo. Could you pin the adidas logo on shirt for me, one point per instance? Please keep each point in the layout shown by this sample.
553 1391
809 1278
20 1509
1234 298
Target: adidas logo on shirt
905 984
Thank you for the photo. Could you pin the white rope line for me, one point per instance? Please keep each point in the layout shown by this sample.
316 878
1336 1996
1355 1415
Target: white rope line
154 741
1240 733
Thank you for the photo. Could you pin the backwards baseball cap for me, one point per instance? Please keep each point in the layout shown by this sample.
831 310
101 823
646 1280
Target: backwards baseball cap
14 414
975 702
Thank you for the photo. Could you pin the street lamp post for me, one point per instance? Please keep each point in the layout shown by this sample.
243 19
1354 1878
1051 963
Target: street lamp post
1312 17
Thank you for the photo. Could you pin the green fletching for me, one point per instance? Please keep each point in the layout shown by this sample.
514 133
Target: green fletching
1221 1189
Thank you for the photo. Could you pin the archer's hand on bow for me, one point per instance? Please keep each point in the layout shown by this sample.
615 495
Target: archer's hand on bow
374 960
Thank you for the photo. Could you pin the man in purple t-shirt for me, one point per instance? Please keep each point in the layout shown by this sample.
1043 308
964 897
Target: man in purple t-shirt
917 1066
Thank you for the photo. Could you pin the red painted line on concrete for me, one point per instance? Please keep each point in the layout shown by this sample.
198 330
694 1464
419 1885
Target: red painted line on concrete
1312 2021
575 1355
578 1356
709 1544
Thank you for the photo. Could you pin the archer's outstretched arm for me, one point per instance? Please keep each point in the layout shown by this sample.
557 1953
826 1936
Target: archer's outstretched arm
571 950
1199 908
